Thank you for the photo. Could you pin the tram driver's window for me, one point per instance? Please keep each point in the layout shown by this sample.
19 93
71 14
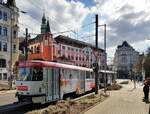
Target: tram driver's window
37 74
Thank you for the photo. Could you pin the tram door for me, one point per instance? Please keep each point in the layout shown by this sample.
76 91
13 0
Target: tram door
55 84
52 84
82 81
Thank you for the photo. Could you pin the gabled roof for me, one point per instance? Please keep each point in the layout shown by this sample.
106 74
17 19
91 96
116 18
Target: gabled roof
124 44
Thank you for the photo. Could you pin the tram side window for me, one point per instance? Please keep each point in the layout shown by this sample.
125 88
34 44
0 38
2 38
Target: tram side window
75 74
37 74
88 76
68 74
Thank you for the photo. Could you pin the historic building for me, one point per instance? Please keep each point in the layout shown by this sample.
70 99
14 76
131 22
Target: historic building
63 49
125 58
9 42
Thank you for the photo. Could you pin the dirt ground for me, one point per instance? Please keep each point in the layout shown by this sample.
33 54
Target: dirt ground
71 106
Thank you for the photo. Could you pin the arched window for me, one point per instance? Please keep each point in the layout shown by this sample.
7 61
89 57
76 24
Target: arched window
38 49
2 63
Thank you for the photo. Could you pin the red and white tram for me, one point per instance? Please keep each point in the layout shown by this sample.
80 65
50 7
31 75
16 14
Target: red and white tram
43 81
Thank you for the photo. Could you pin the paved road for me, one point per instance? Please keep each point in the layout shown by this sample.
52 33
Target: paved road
7 99
125 101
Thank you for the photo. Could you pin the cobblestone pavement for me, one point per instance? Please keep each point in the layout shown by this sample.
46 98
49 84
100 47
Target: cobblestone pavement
125 101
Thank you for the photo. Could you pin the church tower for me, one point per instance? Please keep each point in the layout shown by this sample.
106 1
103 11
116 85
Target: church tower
11 3
48 27
43 25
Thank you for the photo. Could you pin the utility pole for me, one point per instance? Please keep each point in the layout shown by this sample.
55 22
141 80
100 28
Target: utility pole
26 45
96 45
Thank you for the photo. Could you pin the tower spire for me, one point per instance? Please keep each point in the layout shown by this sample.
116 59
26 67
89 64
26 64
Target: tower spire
43 25
48 27
43 19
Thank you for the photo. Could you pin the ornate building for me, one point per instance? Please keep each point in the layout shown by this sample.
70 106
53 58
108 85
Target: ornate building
63 49
125 58
9 42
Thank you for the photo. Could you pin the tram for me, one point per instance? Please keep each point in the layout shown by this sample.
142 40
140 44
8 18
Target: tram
106 77
43 81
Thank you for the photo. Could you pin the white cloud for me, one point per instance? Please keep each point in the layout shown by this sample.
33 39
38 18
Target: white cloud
63 15
126 19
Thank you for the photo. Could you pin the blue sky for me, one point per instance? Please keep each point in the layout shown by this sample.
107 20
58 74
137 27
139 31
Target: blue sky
126 20
87 3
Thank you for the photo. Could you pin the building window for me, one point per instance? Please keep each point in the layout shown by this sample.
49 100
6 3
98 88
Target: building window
68 48
72 57
31 50
5 16
34 49
14 48
15 34
5 31
5 76
38 49
63 47
4 46
2 63
80 58
0 46
72 49
0 14
83 58
76 58
69 57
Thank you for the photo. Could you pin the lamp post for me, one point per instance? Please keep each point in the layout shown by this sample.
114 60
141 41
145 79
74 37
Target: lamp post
96 45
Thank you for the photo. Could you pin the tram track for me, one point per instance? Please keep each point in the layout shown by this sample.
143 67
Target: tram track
11 107
24 107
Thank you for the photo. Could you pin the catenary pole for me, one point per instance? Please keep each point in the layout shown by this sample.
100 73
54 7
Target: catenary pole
96 45
26 45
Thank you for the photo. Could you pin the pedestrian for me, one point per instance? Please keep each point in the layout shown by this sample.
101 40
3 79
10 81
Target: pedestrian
10 82
146 90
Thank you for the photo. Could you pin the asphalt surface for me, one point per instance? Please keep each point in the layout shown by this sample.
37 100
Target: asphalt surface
7 99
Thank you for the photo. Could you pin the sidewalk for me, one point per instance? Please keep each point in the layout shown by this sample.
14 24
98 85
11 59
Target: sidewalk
125 101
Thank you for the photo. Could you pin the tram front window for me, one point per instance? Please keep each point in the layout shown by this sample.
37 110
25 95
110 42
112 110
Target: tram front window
30 74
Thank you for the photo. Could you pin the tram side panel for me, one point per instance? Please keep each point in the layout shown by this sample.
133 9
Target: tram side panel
62 81
89 81
69 81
